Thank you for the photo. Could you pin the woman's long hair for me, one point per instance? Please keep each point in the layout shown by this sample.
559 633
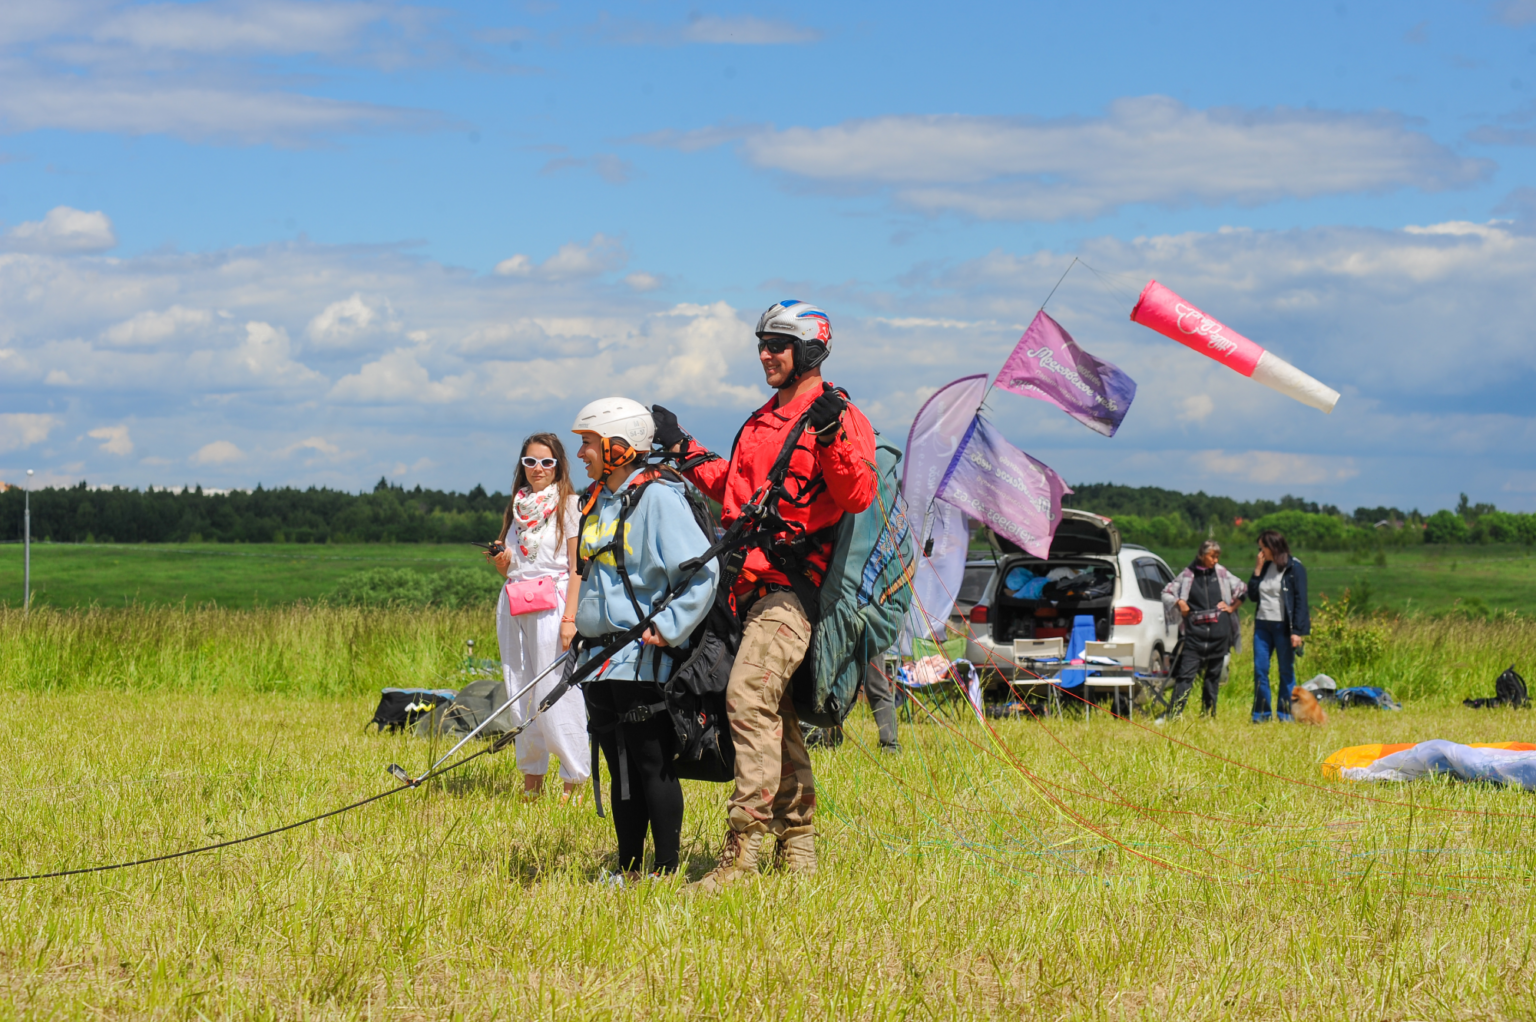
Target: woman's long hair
562 482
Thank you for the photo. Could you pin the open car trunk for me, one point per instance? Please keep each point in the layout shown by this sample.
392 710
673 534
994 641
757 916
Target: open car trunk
1036 611
1085 543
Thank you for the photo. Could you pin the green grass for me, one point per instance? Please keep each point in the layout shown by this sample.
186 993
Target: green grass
1076 868
229 574
1426 579
1423 579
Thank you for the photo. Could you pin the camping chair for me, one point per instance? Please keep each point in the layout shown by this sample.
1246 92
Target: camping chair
1154 692
1111 666
938 691
1035 662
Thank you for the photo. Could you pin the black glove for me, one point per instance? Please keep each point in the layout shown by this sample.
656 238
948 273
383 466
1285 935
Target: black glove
825 413
668 432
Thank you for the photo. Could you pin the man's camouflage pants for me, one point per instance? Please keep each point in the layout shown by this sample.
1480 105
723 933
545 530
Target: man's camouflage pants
773 771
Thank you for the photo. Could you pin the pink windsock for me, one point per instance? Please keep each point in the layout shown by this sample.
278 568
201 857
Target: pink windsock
1160 309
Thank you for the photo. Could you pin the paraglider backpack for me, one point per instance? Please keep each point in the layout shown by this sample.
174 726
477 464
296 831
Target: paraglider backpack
693 697
864 596
1508 690
403 707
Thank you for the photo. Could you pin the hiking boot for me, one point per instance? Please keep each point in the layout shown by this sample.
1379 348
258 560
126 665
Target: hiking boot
796 850
738 859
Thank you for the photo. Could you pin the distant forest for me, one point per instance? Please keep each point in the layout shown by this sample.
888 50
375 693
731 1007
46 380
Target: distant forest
392 514
1112 500
388 514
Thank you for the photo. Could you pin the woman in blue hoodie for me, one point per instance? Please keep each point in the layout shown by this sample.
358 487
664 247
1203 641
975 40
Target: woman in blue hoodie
660 534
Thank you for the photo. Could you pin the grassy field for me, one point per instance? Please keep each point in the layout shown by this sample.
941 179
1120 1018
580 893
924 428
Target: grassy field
1478 579
1071 868
229 574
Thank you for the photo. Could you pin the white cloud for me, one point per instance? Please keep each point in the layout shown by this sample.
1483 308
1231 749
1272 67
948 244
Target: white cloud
269 27
602 254
322 450
610 168
745 30
205 71
1196 408
154 326
1148 149
515 266
220 452
63 231
264 359
23 429
344 323
642 281
1274 468
1426 331
116 439
200 112
708 29
399 378
1515 12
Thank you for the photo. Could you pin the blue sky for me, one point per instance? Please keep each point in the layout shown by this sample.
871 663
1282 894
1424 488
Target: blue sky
317 242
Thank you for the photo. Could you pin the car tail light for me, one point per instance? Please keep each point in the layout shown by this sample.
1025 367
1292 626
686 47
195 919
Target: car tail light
979 614
1127 615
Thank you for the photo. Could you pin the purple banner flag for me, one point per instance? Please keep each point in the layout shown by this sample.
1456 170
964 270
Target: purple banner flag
1048 364
995 483
942 534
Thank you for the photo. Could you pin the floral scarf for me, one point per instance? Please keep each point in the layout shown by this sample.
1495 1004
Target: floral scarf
532 513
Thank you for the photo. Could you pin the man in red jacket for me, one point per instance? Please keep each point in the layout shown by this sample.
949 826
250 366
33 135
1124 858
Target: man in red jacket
831 473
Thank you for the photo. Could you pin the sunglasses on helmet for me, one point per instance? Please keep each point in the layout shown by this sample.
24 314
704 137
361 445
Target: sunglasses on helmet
529 462
773 345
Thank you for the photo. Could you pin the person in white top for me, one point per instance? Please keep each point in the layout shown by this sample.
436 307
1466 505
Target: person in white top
532 627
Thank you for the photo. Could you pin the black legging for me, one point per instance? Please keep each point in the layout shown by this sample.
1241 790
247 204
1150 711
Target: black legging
655 795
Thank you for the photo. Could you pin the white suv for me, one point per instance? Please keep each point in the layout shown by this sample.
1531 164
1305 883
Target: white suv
1123 584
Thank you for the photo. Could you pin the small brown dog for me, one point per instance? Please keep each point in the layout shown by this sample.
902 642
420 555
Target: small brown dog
1304 707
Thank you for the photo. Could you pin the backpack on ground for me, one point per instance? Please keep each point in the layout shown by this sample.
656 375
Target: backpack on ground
403 707
862 601
1508 690
693 697
1367 695
474 703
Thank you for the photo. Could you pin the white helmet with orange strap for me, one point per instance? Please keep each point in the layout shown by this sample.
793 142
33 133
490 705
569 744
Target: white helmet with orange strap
618 419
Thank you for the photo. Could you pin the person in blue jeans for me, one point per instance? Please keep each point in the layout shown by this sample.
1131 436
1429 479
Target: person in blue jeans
1278 589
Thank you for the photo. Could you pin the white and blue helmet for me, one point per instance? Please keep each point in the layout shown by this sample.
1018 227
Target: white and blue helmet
806 325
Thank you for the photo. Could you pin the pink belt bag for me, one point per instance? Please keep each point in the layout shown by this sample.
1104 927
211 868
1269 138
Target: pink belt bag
532 595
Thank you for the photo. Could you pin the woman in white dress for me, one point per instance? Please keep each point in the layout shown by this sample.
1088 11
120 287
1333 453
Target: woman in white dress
532 626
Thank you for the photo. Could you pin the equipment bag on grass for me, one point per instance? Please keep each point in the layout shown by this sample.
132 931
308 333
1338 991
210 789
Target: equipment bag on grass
863 599
1508 690
403 707
474 703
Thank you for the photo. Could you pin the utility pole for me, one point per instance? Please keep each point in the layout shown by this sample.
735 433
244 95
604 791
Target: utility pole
26 548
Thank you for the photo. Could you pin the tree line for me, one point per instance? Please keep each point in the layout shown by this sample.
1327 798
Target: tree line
389 513
1159 517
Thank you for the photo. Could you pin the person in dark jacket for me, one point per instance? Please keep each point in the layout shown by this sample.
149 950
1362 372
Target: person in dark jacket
1205 596
1282 622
